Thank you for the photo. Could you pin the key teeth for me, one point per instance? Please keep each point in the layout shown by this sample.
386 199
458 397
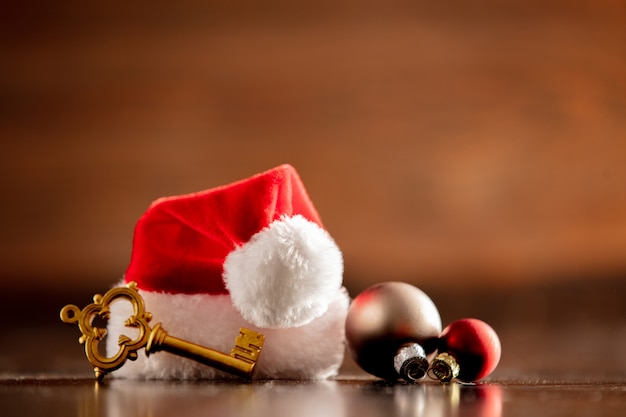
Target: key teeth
245 354
248 345
249 337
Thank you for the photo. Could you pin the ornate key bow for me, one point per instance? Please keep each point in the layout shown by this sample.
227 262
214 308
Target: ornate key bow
241 360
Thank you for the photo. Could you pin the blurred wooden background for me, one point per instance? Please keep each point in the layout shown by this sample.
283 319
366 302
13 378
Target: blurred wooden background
453 145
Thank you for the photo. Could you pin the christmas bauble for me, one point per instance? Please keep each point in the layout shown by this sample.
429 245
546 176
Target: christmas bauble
392 330
469 350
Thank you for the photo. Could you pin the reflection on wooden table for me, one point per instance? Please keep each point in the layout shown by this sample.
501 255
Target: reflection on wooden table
341 397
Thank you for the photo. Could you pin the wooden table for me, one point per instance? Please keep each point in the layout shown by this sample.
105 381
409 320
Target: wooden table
344 396
563 355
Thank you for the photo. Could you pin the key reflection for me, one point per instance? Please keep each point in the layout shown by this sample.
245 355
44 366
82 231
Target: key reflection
123 398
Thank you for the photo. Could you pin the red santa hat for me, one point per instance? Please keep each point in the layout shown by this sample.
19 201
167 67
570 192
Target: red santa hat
250 254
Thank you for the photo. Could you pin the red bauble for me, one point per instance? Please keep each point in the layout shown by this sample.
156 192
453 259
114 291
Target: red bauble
474 345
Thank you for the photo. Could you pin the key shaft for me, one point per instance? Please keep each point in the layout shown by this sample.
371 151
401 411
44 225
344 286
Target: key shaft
240 362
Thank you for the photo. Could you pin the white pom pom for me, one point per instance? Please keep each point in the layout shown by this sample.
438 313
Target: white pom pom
286 275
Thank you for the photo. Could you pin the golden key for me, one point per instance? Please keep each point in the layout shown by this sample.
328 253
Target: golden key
241 360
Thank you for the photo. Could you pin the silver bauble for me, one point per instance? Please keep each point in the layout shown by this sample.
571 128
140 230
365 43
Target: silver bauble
386 318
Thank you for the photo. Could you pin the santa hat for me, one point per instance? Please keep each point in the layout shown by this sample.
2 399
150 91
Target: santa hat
250 254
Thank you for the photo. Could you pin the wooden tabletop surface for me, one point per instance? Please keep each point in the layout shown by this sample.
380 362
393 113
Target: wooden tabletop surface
344 396
562 356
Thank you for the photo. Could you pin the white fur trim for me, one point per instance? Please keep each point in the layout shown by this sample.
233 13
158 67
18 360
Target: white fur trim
286 275
314 351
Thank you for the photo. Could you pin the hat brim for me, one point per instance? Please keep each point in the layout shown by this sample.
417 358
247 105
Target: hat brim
212 321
